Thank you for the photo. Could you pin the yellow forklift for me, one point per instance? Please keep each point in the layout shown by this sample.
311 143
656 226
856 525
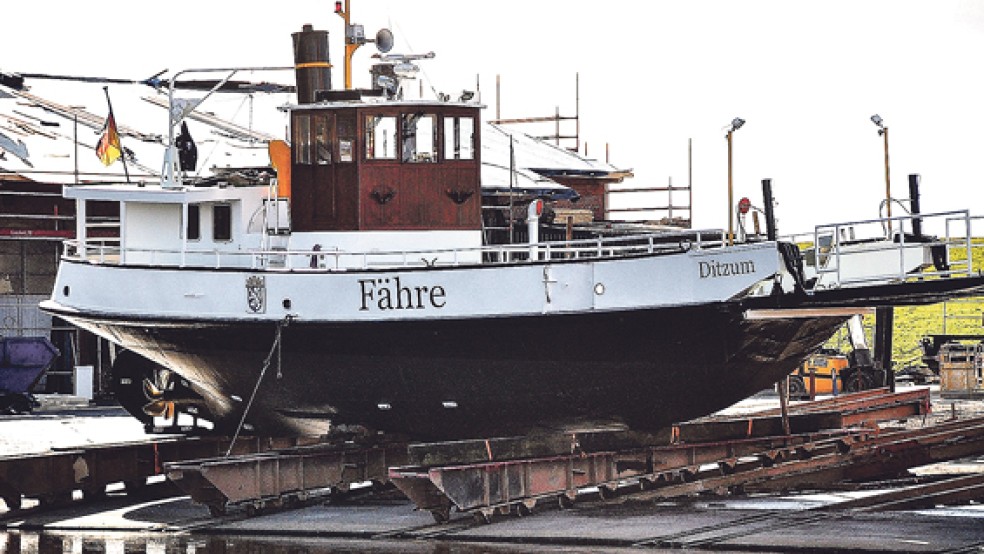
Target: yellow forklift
820 374
829 372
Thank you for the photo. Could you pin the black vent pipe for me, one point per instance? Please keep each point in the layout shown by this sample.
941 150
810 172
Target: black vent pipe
770 218
914 204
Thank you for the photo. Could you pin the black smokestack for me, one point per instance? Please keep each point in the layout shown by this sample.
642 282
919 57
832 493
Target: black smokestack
312 66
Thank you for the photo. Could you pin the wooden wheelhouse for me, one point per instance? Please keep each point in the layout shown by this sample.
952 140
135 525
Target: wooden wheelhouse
385 166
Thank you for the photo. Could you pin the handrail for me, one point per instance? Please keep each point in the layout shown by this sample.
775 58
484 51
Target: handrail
830 257
913 259
108 250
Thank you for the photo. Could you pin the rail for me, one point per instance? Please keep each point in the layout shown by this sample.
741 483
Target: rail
109 251
837 258
840 258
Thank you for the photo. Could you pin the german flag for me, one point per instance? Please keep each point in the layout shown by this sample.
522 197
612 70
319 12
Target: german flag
109 148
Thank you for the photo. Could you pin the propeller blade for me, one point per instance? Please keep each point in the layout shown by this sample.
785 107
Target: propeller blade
151 391
159 408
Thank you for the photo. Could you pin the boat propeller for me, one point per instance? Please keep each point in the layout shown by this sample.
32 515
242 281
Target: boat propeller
165 394
155 388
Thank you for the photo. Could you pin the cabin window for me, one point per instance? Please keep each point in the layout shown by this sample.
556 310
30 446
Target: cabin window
302 139
346 137
459 138
322 140
222 222
194 227
419 138
381 137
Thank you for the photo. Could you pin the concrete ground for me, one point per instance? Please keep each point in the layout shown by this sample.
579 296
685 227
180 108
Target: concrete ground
390 524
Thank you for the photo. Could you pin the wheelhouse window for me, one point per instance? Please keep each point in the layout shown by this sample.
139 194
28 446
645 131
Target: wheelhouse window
322 140
419 138
381 137
459 138
222 222
346 137
193 230
302 139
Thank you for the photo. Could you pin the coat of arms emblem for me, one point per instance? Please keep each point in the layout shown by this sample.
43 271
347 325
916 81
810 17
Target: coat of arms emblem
256 294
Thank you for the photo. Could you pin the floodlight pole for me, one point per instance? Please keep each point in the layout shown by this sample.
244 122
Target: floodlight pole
731 194
736 124
883 130
888 183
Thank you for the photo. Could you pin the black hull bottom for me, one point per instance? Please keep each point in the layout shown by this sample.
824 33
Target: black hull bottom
474 378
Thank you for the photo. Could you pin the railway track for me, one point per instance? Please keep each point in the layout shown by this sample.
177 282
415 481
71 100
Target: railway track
600 475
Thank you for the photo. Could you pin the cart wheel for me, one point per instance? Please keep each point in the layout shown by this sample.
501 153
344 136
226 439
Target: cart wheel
524 508
216 510
566 502
441 515
483 517
797 388
20 404
860 381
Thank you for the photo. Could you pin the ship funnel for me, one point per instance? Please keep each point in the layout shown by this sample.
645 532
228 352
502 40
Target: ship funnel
312 67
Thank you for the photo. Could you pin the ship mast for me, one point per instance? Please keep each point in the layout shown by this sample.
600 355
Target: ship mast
355 36
351 41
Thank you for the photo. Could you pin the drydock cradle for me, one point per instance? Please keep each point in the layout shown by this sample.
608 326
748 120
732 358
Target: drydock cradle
830 442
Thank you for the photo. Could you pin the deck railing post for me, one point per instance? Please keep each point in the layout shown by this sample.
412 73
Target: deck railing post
901 249
968 238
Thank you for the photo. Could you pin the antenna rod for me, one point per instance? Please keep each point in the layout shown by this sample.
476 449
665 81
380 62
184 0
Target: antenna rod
512 179
498 93
577 112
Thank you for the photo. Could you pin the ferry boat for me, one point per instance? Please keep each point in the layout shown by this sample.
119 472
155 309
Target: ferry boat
358 290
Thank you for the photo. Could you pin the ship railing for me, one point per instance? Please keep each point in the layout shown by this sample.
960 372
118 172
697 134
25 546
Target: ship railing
108 251
97 251
850 254
600 248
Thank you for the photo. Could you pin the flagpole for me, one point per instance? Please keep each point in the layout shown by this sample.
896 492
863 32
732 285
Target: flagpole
122 151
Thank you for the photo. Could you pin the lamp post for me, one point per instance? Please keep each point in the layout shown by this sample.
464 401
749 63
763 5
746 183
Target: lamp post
883 131
736 124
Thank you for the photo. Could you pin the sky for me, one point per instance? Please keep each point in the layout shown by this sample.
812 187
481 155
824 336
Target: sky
653 77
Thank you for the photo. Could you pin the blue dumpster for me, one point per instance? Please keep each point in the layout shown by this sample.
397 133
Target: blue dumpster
23 360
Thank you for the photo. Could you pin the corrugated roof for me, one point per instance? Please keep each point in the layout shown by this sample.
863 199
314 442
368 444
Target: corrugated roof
52 130
47 132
